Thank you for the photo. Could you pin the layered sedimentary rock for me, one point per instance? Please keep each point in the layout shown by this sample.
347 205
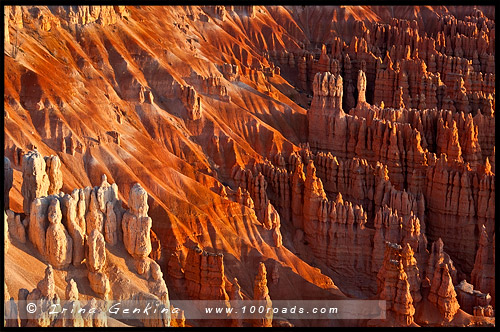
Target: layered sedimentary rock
204 273
155 247
361 90
442 293
103 15
391 227
11 313
94 219
38 223
332 226
75 224
192 102
486 131
44 297
136 224
409 162
176 271
397 145
443 124
59 223
50 230
346 136
412 272
35 180
8 178
96 317
158 285
96 260
6 240
468 297
157 296
467 203
71 317
58 243
212 85
366 185
261 294
53 170
96 256
111 225
16 228
235 295
483 273
254 196
156 318
326 102
394 285
397 53
335 228
438 256
104 210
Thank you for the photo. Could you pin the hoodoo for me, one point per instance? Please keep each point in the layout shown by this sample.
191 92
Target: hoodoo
243 157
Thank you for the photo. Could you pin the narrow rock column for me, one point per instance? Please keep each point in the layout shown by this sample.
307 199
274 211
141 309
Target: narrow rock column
361 90
261 293
35 180
44 297
8 173
70 203
71 317
58 242
442 293
6 241
53 170
136 224
96 260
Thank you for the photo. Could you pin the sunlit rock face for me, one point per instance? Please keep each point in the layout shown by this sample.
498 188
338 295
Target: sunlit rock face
254 153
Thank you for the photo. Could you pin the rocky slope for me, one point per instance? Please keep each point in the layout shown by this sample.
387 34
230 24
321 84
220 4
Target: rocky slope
251 152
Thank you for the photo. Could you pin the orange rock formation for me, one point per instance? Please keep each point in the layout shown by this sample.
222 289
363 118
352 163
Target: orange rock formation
350 149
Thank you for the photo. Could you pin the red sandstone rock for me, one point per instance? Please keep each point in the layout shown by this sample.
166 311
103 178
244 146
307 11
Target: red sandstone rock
58 243
6 233
53 170
361 90
176 272
15 227
136 224
204 273
11 315
69 208
110 225
261 294
378 173
483 273
38 223
35 180
192 102
155 247
96 259
442 293
8 178
43 293
393 286
71 317
468 298
94 219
